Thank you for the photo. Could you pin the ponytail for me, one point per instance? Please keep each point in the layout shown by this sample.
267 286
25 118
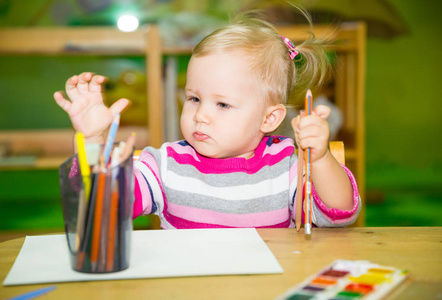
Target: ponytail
313 65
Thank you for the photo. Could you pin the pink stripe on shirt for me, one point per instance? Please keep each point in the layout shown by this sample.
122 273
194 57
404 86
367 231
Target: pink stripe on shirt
143 199
221 166
177 213
185 224
149 160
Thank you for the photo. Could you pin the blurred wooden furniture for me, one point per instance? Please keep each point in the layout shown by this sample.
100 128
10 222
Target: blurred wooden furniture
416 249
338 151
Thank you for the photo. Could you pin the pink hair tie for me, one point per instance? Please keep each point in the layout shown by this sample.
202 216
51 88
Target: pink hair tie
292 49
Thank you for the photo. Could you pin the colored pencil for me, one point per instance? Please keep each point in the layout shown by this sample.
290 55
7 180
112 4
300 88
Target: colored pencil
113 209
88 224
123 224
34 294
81 218
104 231
299 189
308 171
110 257
130 143
82 161
96 231
84 193
110 138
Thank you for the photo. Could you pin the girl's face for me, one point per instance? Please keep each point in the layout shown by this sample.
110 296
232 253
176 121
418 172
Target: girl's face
223 111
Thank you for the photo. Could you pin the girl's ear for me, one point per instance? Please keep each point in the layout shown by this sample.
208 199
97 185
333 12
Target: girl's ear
274 116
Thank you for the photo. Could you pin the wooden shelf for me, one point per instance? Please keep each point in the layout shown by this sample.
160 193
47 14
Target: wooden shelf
72 40
51 147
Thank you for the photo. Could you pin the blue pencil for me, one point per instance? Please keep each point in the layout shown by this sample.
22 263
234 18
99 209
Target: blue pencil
111 138
33 294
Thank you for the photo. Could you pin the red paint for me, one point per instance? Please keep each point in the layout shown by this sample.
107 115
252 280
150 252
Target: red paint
359 288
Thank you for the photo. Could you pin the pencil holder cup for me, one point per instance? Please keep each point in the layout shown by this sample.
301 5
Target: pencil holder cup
97 212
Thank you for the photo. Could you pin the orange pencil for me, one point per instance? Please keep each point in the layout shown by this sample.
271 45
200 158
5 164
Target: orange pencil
113 210
97 220
112 229
308 173
299 189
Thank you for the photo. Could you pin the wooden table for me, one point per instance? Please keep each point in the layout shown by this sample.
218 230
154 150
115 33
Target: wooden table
417 249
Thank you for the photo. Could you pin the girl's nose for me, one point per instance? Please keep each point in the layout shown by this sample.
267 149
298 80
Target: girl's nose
201 116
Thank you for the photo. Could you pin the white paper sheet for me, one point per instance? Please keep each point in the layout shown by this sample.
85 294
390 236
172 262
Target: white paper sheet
154 253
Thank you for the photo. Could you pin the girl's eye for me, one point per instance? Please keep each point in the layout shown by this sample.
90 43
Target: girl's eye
194 99
223 105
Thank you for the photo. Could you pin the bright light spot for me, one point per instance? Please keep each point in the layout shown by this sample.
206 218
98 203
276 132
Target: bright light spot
127 23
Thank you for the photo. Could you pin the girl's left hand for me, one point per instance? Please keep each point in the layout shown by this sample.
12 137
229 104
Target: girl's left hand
313 131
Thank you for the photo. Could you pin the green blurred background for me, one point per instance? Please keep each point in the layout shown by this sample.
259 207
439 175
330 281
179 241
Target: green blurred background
402 105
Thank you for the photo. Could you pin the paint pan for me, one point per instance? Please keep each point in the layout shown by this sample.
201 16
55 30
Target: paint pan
347 279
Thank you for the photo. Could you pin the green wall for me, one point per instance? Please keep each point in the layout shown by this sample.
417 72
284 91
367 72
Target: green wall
403 106
27 84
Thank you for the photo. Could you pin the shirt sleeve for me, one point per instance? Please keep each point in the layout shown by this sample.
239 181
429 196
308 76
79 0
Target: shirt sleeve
148 189
332 217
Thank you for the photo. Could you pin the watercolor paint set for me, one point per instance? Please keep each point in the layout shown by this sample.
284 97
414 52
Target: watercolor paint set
348 279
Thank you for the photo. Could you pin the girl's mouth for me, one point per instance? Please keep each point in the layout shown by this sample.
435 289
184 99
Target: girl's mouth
199 136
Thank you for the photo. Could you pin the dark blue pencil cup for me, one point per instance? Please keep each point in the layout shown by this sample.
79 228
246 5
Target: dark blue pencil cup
98 220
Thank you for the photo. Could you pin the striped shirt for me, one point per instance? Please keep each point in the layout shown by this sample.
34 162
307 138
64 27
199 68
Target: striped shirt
187 190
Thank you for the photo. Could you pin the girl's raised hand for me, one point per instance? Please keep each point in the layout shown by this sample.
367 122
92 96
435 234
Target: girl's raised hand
313 131
85 106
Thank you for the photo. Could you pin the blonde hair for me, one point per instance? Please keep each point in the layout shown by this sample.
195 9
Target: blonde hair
260 43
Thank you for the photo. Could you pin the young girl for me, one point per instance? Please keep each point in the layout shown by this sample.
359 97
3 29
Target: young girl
228 171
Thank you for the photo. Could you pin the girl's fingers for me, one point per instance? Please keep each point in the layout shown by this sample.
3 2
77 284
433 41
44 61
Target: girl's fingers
119 105
322 111
313 131
83 82
71 88
313 143
313 120
62 102
96 82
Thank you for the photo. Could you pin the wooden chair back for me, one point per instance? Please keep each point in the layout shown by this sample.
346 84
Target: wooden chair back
338 151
